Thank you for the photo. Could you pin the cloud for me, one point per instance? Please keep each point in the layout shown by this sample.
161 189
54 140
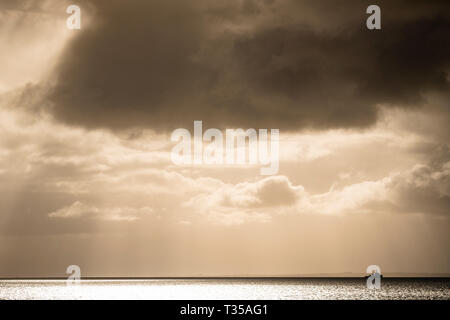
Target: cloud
426 187
163 64
423 189
269 192
83 176
330 80
32 36
264 199
244 202
81 210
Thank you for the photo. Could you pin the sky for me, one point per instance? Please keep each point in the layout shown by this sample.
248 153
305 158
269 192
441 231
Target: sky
86 116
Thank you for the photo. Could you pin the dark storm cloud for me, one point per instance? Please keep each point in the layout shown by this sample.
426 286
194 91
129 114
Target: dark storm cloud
163 64
337 80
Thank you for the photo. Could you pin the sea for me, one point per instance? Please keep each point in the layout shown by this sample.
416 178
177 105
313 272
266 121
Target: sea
227 289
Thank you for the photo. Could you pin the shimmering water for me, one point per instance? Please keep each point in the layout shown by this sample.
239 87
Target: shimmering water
324 288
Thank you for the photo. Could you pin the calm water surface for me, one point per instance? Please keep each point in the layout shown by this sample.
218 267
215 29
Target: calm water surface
226 289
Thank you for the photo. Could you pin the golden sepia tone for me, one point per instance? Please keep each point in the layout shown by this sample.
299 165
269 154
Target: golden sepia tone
86 176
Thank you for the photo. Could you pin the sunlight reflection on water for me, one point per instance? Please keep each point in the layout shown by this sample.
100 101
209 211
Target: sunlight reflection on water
226 289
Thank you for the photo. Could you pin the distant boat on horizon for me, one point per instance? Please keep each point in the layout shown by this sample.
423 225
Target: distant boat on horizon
368 276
